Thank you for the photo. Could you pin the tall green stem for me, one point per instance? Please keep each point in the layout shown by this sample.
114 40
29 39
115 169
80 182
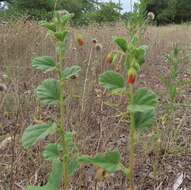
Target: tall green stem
132 143
62 132
63 136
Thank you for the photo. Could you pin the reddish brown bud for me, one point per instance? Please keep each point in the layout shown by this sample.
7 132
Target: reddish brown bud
109 58
80 40
132 75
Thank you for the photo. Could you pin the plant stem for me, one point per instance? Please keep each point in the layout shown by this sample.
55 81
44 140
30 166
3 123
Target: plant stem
85 82
62 132
63 135
132 143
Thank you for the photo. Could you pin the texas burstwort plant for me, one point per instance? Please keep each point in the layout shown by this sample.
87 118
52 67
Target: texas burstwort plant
51 92
141 102
141 106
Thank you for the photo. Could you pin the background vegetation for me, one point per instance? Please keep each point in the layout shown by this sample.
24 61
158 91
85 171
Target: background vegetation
88 11
169 11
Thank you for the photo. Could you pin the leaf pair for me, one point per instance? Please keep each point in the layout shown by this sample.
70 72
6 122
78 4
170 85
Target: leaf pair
47 64
49 91
32 135
143 106
52 152
144 102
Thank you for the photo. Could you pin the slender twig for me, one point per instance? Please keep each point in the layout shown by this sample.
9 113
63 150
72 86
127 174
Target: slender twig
85 81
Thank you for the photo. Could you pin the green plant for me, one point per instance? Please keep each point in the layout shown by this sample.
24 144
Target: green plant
51 92
141 107
136 23
171 81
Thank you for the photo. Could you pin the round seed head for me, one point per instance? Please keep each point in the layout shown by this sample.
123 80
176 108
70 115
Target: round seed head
98 47
94 41
151 16
3 87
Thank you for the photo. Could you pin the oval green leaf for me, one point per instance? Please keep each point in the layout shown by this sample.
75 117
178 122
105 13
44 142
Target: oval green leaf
34 133
144 120
122 43
44 63
52 152
49 92
109 161
49 26
144 100
111 81
61 36
144 106
69 72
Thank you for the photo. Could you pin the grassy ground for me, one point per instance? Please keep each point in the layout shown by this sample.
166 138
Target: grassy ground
163 154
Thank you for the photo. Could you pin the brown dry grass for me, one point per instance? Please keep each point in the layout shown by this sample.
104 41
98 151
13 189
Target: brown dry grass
99 128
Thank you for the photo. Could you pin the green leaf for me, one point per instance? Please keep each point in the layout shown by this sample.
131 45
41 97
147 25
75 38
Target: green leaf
61 36
173 91
140 54
69 139
144 100
111 81
49 26
34 133
73 167
52 152
145 97
109 161
139 108
135 40
44 63
55 178
69 72
49 92
144 120
122 43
